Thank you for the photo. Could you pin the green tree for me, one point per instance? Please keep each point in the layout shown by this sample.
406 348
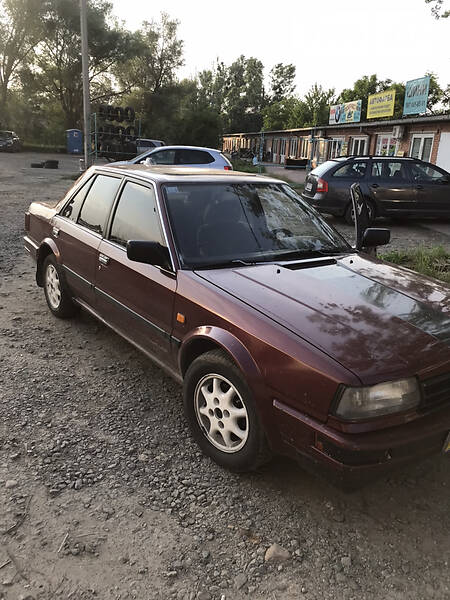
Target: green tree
19 32
316 105
437 9
157 56
282 81
58 59
282 114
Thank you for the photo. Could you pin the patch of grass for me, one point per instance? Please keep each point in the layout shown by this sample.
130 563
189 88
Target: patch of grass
246 167
434 262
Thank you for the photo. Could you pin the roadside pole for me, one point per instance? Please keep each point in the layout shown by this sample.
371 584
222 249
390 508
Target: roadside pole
85 72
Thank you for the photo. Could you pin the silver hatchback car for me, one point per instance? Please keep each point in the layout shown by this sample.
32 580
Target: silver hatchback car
182 156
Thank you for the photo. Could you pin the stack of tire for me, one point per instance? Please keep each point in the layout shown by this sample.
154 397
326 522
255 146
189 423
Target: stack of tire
116 132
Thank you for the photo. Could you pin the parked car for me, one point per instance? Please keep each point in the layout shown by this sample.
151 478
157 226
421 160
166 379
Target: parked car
392 186
183 156
143 144
285 338
10 141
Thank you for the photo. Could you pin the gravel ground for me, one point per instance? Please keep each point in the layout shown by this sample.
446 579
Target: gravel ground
104 495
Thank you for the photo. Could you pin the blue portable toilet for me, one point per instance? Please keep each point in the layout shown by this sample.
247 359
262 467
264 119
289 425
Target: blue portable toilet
74 139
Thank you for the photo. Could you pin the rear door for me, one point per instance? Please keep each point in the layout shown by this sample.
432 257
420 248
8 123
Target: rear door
135 298
391 186
432 188
79 229
340 180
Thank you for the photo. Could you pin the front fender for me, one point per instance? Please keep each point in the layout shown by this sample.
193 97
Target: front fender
229 343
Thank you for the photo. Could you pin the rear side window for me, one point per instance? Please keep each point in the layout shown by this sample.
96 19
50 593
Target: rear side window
95 210
72 209
136 217
389 169
193 157
352 170
323 168
164 157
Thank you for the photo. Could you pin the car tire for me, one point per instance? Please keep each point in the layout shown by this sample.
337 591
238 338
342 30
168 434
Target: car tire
56 293
226 426
349 218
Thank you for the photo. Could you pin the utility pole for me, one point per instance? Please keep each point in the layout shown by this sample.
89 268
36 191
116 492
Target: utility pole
85 72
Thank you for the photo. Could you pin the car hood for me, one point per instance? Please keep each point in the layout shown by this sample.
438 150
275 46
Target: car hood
375 319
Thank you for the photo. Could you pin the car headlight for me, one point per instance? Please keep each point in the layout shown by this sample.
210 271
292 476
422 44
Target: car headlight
358 403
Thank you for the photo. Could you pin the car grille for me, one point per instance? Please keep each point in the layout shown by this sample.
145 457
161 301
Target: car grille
436 391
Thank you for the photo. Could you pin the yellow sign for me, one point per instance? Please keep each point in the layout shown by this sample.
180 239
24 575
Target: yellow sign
381 104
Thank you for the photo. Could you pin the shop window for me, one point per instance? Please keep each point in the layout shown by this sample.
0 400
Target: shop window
335 147
359 146
421 146
387 145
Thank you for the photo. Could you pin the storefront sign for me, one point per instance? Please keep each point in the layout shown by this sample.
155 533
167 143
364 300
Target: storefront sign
348 112
381 104
416 96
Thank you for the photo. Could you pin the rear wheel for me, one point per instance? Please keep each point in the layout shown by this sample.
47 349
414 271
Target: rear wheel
58 298
350 215
222 415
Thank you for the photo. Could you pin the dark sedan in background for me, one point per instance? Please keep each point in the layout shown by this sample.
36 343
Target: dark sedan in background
10 141
392 186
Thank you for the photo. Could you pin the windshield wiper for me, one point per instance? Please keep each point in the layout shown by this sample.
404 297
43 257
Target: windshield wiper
224 264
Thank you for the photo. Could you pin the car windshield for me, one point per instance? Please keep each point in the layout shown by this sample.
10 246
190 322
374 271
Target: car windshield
223 223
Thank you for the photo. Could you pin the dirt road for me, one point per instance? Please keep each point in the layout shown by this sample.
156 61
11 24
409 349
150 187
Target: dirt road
104 495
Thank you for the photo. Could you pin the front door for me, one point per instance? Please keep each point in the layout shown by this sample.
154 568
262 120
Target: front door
432 188
390 185
135 298
78 230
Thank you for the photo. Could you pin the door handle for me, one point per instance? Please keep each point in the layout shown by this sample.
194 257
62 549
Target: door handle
419 187
55 231
374 185
103 259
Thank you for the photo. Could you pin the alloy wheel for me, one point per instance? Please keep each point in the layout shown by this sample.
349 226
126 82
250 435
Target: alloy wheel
221 413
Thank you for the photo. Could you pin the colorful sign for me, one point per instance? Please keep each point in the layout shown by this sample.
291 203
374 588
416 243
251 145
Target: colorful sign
416 96
381 104
348 112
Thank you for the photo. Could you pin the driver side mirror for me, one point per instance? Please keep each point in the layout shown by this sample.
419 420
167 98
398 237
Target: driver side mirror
375 236
151 253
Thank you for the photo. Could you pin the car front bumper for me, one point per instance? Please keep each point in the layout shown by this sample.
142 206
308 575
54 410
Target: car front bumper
352 460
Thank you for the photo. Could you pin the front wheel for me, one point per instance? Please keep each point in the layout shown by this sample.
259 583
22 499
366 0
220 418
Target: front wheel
58 298
221 413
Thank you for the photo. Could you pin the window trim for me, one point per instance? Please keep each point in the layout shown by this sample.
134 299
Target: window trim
148 184
422 137
363 138
97 174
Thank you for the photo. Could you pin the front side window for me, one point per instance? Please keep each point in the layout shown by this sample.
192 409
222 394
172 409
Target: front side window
391 170
136 217
352 170
428 174
99 200
217 223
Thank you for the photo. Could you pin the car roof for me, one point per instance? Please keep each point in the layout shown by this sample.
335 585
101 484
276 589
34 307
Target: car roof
186 148
187 174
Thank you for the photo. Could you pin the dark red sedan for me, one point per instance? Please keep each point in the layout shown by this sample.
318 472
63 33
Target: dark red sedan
286 339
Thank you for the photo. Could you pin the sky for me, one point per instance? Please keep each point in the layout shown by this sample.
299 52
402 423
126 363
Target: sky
331 43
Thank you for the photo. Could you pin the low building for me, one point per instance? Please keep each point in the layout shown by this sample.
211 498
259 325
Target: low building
427 138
